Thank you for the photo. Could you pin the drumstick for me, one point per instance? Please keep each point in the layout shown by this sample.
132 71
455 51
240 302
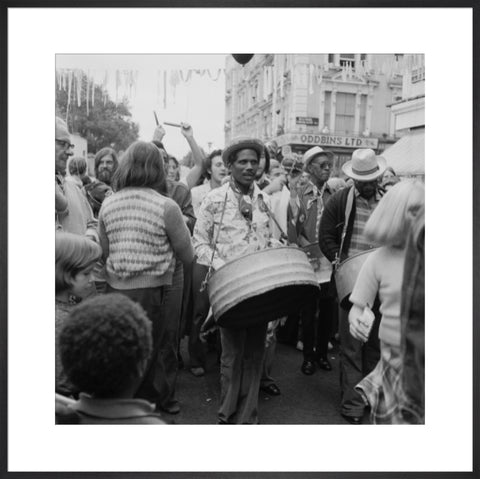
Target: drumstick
156 118
172 124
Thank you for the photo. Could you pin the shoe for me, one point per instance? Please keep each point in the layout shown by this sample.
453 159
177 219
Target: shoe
308 368
197 371
171 408
353 419
324 363
271 389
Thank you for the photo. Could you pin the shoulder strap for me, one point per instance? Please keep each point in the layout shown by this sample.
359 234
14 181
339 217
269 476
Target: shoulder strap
348 211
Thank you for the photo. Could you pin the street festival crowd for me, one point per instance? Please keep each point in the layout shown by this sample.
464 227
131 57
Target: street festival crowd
139 244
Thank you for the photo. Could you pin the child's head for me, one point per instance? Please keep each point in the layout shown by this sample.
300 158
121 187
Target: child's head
105 346
390 223
75 257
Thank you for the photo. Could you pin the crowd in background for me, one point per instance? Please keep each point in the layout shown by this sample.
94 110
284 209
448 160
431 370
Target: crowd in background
138 237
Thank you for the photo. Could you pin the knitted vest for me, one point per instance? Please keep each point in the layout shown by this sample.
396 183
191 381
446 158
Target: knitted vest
140 254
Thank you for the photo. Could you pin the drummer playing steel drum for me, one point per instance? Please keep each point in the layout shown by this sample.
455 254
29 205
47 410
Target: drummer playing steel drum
339 242
233 221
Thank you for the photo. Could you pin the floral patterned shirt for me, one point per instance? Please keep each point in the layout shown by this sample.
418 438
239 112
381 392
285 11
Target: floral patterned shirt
238 235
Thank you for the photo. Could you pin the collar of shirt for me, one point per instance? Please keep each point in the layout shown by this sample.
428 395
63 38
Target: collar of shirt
113 408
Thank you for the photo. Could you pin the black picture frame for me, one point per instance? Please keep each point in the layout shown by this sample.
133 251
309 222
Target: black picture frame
4 188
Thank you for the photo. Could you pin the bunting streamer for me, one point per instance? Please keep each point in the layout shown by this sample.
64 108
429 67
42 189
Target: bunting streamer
219 72
122 83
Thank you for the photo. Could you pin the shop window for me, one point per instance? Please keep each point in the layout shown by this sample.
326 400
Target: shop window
345 113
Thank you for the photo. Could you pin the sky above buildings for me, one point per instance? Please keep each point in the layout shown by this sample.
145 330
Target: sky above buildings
197 97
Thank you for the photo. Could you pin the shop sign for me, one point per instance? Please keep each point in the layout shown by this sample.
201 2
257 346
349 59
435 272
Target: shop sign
327 140
306 120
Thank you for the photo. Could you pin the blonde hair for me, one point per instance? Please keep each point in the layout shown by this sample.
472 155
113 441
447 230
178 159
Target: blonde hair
390 222
73 253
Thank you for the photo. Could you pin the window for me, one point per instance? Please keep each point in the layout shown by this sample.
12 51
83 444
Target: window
345 113
331 58
347 59
418 74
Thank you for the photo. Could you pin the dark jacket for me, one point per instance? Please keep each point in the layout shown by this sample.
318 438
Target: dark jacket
182 196
331 226
304 225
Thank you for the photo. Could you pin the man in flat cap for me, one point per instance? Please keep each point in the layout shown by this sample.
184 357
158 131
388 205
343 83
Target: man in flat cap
72 210
341 237
307 209
234 217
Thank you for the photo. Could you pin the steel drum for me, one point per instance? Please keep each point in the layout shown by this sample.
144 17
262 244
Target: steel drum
321 266
347 272
261 286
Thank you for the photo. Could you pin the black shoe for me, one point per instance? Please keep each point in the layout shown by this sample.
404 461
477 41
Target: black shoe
171 408
308 368
353 419
271 389
324 363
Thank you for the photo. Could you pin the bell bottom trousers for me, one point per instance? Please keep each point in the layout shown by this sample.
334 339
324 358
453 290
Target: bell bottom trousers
240 372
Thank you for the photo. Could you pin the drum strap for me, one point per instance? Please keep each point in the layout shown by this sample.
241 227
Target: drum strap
348 211
214 249
264 206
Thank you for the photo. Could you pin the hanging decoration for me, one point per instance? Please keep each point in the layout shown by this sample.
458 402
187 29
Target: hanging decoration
185 78
242 58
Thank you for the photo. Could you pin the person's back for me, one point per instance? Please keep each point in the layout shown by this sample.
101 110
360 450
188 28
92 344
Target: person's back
89 410
105 347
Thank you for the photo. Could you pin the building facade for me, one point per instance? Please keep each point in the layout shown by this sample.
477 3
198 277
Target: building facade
407 155
338 101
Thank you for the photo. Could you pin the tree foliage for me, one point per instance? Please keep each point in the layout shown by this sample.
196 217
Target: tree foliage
105 124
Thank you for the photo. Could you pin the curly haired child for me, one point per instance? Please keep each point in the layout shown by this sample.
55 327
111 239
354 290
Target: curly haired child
105 346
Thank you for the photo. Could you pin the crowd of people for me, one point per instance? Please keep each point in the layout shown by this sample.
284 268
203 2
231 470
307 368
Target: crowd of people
138 240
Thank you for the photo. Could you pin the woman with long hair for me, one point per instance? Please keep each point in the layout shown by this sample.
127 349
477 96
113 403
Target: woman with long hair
141 233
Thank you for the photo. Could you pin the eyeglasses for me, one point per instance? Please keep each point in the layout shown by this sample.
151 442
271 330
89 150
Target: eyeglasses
323 165
65 144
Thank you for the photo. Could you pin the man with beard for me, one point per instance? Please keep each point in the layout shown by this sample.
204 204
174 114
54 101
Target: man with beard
340 237
72 210
106 163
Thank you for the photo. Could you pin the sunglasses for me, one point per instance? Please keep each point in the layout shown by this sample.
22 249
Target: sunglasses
65 144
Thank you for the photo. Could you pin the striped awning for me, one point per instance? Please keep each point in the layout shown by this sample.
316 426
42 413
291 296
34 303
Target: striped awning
407 155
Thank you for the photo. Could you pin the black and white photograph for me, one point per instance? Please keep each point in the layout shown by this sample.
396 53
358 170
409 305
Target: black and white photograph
240 239
240 246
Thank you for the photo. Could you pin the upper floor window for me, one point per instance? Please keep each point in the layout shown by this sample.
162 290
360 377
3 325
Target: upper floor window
418 74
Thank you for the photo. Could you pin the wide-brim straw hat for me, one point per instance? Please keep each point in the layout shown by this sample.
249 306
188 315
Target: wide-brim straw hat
242 143
365 165
310 154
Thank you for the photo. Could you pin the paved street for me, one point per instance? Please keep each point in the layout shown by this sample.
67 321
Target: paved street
304 399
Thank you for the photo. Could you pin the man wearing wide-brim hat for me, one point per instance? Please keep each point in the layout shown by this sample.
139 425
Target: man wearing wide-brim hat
306 210
232 221
341 237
